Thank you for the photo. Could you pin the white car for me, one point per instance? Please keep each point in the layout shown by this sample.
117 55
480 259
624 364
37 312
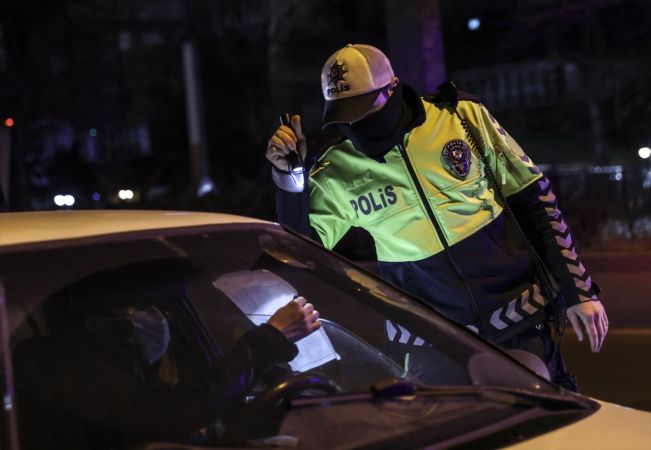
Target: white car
385 371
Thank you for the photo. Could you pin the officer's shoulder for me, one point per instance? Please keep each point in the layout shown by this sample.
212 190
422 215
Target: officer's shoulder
328 147
331 142
463 95
440 102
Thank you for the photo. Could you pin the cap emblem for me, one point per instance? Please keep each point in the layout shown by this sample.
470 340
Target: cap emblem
335 75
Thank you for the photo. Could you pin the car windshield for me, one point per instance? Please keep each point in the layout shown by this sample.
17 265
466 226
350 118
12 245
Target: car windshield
211 286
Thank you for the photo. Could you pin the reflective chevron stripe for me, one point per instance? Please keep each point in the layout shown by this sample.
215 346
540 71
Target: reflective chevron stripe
496 321
398 333
563 238
511 314
473 328
530 165
526 304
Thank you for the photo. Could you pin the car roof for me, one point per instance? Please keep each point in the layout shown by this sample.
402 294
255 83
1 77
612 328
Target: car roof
47 226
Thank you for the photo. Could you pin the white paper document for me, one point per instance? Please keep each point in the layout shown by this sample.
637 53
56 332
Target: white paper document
259 294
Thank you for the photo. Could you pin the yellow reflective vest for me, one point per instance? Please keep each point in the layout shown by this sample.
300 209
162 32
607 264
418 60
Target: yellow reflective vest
391 199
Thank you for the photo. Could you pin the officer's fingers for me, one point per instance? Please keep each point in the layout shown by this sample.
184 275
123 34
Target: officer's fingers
591 330
296 125
273 152
301 142
278 159
604 323
284 136
308 309
288 131
275 141
601 332
574 320
601 322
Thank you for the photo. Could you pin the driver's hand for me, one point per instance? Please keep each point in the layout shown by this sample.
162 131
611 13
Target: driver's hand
284 141
296 319
592 317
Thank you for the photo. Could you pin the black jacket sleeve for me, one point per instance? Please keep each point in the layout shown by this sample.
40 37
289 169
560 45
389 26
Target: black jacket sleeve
240 368
293 211
536 209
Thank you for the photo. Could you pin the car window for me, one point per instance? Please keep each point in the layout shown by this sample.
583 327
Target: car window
163 337
360 306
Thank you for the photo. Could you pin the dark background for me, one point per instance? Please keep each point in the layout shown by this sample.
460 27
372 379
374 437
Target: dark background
96 96
95 89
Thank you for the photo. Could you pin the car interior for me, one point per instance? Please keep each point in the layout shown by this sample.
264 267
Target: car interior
195 343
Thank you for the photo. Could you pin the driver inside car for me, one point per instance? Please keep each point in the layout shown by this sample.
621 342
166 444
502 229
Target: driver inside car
108 376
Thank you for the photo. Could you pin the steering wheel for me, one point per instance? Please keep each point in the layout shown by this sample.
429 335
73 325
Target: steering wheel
262 416
294 385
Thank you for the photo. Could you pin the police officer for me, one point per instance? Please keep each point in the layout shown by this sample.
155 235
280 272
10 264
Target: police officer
409 170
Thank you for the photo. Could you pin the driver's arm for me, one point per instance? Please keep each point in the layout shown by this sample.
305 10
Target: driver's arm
172 412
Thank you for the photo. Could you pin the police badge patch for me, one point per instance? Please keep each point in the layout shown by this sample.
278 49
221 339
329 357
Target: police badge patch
456 155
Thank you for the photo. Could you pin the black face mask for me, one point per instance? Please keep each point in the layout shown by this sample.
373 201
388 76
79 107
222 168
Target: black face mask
377 133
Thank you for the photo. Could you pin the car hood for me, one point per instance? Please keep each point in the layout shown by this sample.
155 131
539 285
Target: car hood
611 427
48 226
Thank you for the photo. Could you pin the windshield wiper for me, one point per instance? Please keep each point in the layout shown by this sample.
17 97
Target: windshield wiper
394 388
504 395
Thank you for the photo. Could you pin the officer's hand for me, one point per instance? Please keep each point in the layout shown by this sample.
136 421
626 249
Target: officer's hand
285 140
296 319
590 315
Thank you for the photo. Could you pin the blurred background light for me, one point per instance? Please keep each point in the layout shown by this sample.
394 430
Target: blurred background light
64 200
206 187
9 122
644 152
474 23
125 194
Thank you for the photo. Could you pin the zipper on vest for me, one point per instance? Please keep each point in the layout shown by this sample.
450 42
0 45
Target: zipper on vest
439 231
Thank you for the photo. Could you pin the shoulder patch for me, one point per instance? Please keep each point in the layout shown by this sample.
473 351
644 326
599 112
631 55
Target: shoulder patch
318 167
456 155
